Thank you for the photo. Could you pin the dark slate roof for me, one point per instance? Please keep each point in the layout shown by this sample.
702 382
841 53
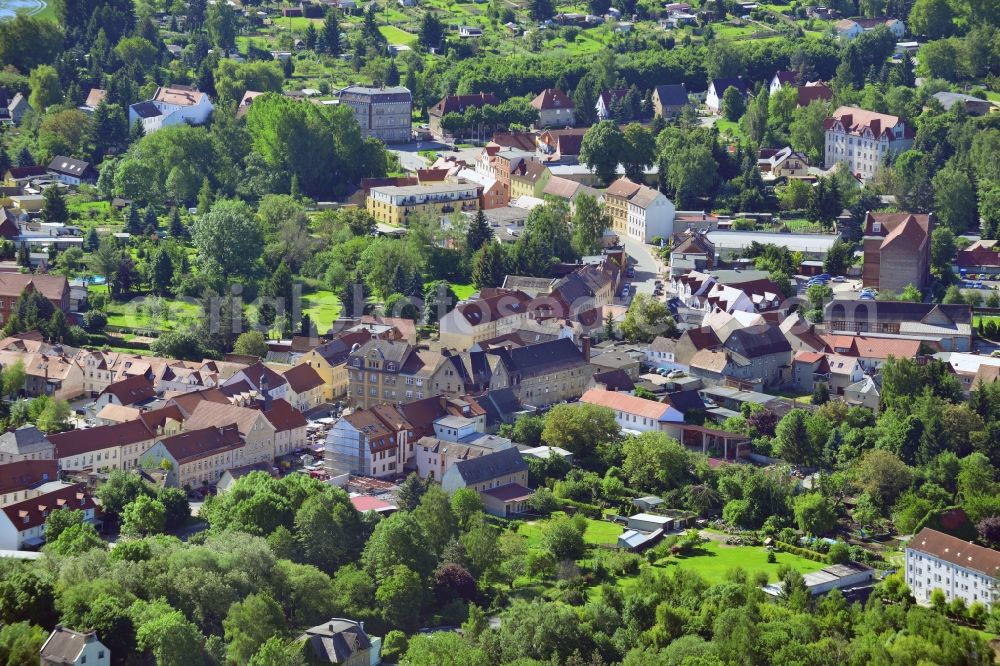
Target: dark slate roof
723 84
544 357
500 405
896 311
145 110
684 401
26 439
484 468
336 641
68 166
615 380
757 341
674 94
64 646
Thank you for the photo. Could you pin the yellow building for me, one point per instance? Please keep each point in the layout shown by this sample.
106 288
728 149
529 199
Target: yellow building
528 180
395 205
616 200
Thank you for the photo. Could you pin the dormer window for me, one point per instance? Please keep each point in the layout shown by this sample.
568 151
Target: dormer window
877 227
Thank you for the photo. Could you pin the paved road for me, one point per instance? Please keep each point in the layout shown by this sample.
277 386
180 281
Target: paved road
646 269
409 153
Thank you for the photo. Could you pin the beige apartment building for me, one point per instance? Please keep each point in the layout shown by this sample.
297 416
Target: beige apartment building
198 457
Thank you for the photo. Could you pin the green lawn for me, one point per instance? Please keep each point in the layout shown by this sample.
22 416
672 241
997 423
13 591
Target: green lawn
463 291
598 532
322 307
712 560
396 36
132 313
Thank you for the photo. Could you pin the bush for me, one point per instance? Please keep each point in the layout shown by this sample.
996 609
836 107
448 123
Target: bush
839 553
771 557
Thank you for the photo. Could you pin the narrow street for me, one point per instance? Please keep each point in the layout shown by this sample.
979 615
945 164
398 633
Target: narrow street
646 267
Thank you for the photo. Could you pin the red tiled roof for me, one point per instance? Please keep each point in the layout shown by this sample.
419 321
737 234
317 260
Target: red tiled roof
193 445
552 98
493 308
51 287
33 512
458 103
623 402
856 121
26 473
956 551
367 503
131 390
814 92
75 442
302 378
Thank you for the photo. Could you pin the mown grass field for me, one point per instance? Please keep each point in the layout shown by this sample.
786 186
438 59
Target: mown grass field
463 291
598 532
396 36
322 307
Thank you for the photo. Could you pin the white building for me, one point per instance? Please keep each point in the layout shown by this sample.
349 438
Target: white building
637 414
862 139
171 105
960 569
717 90
650 214
65 646
22 525
848 29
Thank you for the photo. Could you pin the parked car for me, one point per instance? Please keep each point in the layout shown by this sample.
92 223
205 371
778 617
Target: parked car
840 278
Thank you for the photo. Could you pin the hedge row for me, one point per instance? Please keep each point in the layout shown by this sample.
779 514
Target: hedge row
589 510
803 552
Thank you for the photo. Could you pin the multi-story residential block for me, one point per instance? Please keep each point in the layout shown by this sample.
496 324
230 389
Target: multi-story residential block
396 204
305 387
544 374
22 525
960 569
198 457
25 443
385 371
650 215
382 113
555 108
616 199
104 448
171 105
862 139
897 249
329 360
497 313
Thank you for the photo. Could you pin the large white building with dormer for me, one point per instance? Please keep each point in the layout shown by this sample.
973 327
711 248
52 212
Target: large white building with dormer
960 569
862 139
171 105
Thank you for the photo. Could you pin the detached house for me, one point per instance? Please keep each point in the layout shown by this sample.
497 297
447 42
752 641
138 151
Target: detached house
65 647
717 89
606 101
72 171
782 163
171 105
555 108
670 100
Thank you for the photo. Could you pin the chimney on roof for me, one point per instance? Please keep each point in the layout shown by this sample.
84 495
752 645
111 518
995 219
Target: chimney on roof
585 343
